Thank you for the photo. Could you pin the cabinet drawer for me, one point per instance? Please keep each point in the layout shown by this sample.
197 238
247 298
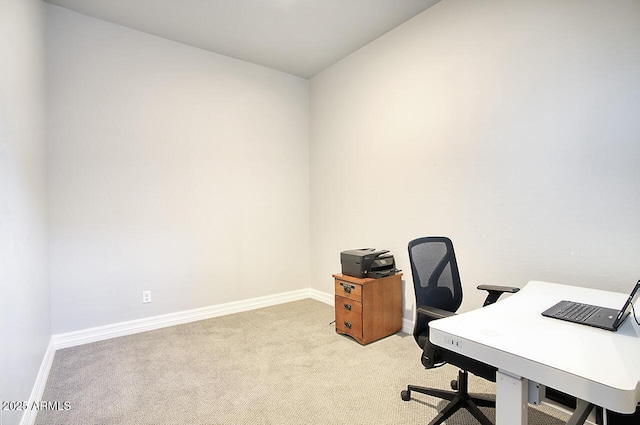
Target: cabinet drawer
348 290
348 316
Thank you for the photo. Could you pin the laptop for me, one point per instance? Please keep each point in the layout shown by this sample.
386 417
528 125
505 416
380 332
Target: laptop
592 315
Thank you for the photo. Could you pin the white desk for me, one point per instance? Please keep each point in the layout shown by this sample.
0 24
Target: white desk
594 365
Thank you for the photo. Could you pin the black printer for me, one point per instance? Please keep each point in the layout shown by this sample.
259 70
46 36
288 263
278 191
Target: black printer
368 262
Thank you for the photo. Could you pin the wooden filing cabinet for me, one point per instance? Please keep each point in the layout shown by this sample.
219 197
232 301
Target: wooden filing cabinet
368 309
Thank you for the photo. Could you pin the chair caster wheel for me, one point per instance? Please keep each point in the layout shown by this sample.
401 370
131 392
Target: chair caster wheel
454 385
406 395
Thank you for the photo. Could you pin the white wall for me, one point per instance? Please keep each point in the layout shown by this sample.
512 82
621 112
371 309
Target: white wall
24 289
511 127
171 169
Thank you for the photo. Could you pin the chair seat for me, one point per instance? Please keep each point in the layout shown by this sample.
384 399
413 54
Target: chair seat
472 366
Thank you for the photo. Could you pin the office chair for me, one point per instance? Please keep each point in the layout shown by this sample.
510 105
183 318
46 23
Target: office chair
438 292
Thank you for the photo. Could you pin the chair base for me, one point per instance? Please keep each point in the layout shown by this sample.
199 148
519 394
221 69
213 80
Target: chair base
459 399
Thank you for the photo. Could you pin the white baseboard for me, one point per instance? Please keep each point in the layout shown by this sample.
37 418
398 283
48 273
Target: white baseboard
86 336
407 326
29 416
322 296
100 333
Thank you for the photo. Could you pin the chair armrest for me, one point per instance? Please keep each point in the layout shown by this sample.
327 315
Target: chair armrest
433 312
495 291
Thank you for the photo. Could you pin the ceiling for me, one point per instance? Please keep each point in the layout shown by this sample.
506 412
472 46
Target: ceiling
300 37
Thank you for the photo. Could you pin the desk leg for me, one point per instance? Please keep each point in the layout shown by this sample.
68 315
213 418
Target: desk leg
581 413
511 399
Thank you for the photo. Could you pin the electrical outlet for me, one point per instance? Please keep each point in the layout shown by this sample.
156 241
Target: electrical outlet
146 297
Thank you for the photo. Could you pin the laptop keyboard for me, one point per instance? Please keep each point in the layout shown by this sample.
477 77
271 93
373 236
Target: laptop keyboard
577 312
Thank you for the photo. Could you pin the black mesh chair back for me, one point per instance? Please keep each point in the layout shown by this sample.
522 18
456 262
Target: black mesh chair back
436 278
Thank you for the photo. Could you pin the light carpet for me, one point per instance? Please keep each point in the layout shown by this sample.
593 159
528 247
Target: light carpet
277 365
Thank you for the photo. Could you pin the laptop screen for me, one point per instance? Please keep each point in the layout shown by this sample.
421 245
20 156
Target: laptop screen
626 309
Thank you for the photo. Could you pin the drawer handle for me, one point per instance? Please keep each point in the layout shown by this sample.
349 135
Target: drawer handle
347 325
347 288
347 307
